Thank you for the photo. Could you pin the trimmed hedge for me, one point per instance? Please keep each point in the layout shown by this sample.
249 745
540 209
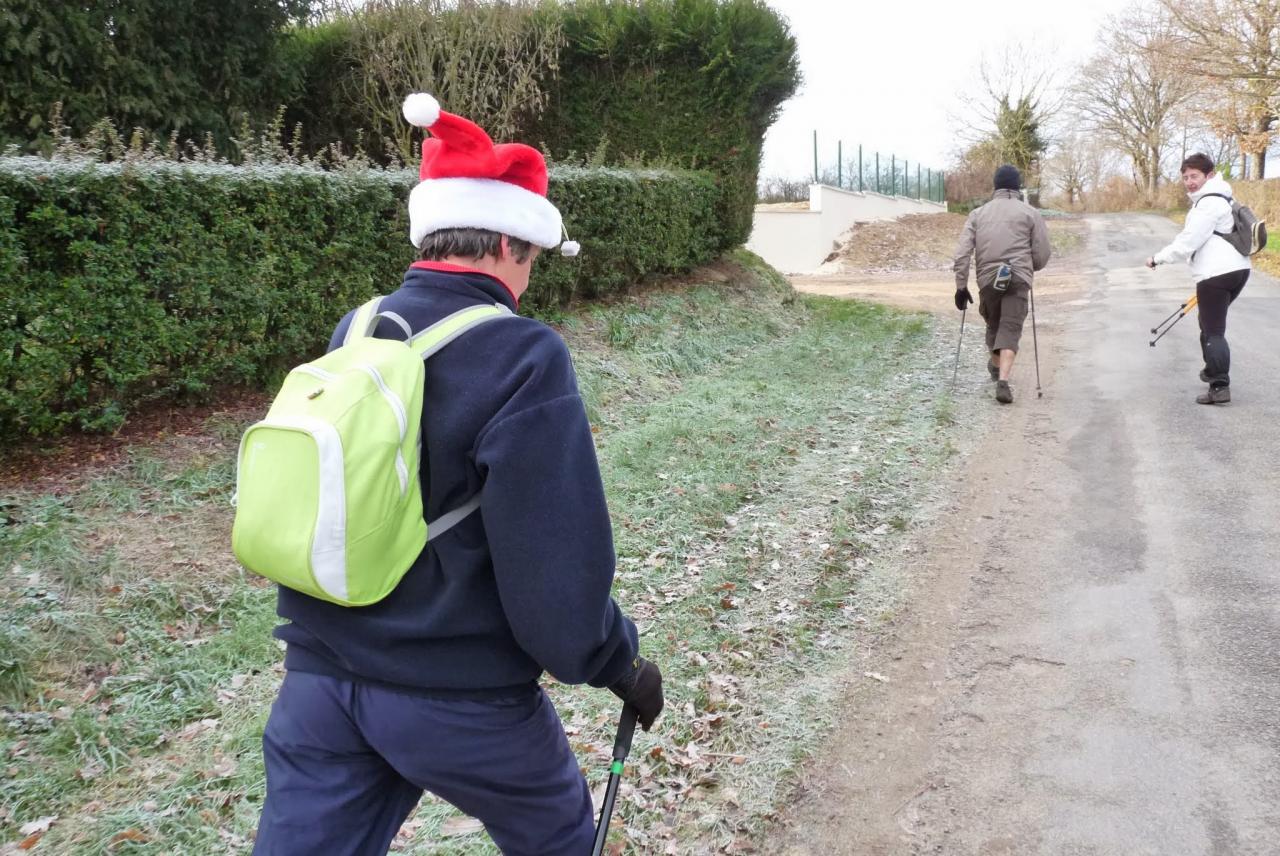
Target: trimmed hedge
689 82
126 283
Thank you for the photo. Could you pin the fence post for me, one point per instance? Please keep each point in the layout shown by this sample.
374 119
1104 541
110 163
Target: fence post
877 172
928 172
893 173
840 164
815 157
860 188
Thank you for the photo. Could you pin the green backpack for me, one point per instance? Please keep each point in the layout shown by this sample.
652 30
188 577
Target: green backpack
328 499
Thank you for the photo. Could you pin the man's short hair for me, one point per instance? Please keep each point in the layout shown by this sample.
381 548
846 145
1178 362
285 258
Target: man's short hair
469 244
1198 161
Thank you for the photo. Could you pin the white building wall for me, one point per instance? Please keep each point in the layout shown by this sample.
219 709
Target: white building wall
797 241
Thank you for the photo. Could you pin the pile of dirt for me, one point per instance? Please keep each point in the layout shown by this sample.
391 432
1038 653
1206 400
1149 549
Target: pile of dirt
918 242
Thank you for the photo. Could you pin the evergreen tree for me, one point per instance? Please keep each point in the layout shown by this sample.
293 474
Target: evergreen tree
190 66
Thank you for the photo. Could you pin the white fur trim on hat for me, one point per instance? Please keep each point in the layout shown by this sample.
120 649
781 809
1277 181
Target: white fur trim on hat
421 109
482 203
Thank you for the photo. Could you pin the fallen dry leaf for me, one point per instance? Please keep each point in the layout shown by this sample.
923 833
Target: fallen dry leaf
127 835
40 824
460 826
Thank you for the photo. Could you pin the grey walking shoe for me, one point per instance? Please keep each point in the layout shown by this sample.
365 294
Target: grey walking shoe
1215 395
1004 394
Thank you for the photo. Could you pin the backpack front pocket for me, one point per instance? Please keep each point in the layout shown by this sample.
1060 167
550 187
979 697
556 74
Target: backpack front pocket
291 505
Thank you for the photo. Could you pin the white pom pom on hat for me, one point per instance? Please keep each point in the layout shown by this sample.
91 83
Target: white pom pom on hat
570 248
421 109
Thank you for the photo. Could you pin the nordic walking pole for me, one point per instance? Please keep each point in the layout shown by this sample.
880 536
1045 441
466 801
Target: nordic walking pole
1190 304
621 747
1035 344
1187 303
958 344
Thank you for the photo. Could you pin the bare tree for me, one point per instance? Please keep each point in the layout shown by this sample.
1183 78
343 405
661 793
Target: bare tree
1016 98
969 176
1201 127
1067 168
1130 91
1234 44
1080 164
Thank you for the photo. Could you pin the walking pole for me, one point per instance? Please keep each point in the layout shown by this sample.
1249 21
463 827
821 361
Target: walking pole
1035 344
1181 313
1156 329
621 747
958 344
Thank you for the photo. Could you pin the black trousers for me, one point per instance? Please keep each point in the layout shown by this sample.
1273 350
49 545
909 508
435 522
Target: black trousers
1215 294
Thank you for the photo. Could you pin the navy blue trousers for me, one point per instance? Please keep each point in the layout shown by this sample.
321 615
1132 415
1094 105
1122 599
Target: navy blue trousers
347 762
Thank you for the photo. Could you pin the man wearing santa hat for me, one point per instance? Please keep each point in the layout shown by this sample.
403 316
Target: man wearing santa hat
435 688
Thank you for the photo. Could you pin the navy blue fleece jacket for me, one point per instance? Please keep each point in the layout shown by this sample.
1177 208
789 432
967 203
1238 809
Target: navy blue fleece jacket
518 587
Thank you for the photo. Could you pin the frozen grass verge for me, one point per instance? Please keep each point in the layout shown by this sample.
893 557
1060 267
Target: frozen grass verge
763 456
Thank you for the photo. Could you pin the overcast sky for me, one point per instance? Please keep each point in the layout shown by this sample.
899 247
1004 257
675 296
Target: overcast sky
888 74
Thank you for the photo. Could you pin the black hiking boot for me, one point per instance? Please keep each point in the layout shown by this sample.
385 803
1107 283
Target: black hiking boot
1215 395
1004 394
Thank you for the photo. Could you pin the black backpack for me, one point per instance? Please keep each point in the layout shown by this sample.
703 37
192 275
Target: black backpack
1248 234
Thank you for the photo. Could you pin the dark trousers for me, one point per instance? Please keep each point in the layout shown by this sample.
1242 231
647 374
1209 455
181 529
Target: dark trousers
346 763
1215 294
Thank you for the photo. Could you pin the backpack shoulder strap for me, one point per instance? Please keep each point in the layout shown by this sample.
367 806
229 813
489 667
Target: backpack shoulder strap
1219 195
363 322
366 319
452 326
428 342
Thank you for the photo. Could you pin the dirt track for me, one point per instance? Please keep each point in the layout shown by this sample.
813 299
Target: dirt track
1089 664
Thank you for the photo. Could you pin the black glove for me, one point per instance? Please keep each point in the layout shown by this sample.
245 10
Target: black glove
963 298
641 688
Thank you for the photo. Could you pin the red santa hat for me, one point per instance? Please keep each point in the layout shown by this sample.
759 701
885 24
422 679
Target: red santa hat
468 182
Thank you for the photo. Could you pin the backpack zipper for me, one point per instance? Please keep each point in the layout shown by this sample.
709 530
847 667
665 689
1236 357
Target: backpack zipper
397 407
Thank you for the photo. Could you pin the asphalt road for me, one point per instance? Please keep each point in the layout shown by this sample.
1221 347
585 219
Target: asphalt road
1092 663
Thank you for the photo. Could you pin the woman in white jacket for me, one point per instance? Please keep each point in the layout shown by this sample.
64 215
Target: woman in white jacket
1220 270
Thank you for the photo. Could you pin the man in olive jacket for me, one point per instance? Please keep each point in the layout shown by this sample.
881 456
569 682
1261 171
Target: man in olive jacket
1011 242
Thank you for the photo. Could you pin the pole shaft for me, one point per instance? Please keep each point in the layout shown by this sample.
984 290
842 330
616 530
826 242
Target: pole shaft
606 812
815 157
1035 343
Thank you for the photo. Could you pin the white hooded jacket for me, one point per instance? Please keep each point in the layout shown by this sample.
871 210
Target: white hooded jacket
1209 254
